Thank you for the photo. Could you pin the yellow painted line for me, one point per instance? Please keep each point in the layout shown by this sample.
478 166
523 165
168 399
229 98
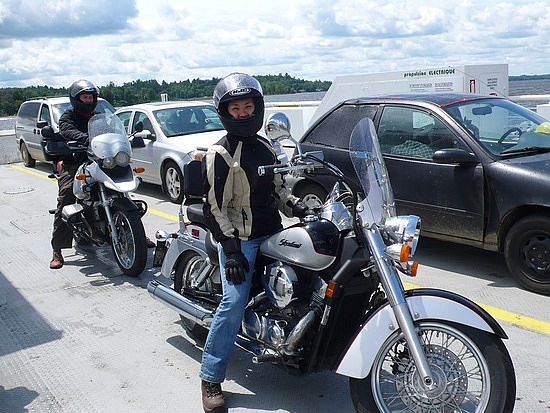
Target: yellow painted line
503 315
31 172
161 214
507 316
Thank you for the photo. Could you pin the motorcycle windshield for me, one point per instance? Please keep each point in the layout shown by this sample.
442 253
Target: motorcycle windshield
371 171
107 136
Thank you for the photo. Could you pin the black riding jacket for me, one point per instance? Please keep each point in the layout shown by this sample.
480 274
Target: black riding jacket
73 126
239 203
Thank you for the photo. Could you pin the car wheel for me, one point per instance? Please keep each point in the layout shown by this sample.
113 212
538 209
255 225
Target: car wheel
28 160
527 253
313 195
172 182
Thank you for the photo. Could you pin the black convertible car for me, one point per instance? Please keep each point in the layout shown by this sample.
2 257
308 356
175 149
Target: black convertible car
475 168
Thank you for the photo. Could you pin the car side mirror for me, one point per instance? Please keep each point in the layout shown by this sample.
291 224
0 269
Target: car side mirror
41 124
146 134
455 156
137 142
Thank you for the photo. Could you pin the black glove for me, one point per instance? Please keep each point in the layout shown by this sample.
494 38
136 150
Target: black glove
301 210
236 264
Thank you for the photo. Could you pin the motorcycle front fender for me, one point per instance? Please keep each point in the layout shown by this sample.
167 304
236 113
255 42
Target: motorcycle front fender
424 304
124 203
178 246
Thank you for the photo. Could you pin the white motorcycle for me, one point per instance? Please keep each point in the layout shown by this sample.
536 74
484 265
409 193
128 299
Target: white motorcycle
327 296
104 213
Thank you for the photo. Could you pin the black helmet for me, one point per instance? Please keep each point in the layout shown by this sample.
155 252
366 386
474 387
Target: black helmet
83 86
239 86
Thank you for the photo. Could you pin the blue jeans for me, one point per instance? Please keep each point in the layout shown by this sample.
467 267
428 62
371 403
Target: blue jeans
228 317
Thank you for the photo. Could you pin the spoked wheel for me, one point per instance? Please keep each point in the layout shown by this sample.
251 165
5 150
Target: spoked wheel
187 266
472 369
131 251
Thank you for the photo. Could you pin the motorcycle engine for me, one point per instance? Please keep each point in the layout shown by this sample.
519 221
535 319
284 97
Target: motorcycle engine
279 284
277 310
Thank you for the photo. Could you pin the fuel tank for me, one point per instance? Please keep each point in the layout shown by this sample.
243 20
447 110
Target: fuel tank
312 245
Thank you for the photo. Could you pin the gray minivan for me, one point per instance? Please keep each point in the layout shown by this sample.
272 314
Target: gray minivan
37 113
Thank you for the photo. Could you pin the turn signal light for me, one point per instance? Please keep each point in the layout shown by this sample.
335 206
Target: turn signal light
405 252
81 177
330 289
414 269
139 170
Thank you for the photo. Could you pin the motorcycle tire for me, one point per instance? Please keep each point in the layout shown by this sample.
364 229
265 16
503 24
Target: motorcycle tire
187 264
474 366
131 254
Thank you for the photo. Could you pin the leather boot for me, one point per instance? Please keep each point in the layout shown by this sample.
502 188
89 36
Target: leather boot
212 397
57 260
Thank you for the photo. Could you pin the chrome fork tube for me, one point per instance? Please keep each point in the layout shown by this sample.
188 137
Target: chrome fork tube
107 208
394 290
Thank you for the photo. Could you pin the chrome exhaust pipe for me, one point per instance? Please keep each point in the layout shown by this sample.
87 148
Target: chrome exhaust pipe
185 306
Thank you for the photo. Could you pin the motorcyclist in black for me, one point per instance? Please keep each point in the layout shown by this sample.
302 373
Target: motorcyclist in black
73 126
242 210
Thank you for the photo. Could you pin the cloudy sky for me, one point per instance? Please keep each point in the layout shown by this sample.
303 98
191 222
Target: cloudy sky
54 42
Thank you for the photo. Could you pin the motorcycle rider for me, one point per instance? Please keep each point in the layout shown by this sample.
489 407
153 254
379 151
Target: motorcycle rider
242 210
73 126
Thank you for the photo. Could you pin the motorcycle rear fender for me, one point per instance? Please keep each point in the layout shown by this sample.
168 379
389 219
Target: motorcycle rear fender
425 304
177 247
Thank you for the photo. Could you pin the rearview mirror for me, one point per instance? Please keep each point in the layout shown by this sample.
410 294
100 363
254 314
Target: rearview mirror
482 110
277 127
47 131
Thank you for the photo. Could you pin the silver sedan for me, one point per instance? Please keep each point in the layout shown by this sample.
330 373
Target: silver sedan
174 132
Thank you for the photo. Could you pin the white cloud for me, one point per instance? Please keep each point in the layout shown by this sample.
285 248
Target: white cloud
52 43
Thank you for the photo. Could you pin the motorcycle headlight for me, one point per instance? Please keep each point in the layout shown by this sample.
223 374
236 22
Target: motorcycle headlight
108 162
401 236
122 159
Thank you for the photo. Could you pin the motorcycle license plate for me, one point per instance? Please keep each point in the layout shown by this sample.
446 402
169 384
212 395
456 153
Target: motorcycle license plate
160 253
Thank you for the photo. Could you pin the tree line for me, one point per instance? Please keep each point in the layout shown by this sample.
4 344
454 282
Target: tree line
141 91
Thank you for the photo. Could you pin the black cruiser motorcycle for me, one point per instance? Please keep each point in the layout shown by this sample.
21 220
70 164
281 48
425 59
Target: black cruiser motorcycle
104 213
328 296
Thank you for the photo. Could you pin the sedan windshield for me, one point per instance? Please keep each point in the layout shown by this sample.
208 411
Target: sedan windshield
502 127
187 120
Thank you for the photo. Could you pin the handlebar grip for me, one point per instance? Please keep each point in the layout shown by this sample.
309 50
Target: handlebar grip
267 169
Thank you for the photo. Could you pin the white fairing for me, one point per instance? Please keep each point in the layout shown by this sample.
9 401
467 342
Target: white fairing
358 360
94 173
